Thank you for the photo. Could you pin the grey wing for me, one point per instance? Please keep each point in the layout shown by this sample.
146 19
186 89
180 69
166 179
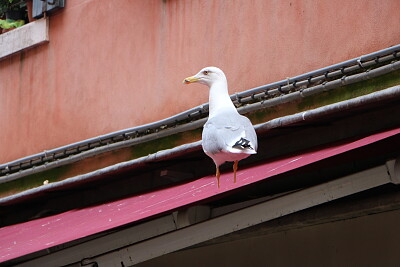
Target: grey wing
223 131
211 141
250 132
247 129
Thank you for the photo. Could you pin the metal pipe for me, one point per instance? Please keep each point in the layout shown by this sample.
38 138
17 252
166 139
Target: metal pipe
308 115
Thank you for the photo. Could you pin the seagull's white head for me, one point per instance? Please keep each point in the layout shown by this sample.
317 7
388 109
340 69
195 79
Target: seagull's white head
207 76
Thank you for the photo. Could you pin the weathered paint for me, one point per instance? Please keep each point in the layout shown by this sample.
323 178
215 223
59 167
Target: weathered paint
111 65
350 91
34 180
24 238
151 147
27 36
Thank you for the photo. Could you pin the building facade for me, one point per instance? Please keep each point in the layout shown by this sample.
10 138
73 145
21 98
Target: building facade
101 160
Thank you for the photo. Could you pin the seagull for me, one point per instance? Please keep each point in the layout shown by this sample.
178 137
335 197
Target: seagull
227 135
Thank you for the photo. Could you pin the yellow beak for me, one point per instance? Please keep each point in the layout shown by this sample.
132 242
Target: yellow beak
191 79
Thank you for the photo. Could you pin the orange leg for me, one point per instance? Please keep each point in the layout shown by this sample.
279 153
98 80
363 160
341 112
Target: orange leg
218 174
235 167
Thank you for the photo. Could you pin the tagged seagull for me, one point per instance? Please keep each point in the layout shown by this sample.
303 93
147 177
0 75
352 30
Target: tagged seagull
227 135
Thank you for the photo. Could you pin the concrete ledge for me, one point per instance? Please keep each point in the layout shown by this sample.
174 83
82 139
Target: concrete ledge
25 37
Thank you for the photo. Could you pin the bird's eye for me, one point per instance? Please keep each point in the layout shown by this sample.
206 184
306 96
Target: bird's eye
205 72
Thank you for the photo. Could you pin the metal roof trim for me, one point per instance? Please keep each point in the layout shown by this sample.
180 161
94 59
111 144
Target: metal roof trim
32 236
305 116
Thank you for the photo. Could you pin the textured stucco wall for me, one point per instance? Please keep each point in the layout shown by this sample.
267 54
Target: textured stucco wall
111 65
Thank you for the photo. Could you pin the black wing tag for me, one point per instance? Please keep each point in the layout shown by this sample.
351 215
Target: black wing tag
242 143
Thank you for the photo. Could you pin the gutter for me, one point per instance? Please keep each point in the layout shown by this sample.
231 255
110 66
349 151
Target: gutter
310 115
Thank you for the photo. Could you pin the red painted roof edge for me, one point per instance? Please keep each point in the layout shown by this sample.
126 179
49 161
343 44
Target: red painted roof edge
28 237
